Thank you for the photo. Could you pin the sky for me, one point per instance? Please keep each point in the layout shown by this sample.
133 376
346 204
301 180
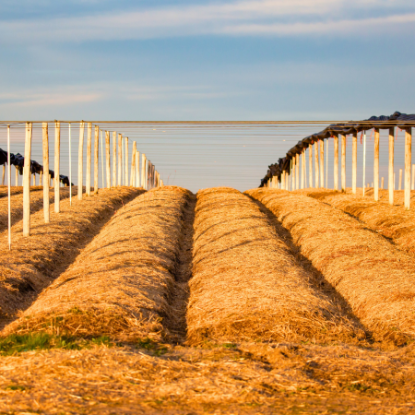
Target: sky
206 60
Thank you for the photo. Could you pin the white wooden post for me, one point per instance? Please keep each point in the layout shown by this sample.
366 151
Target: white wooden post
303 170
120 153
391 176
364 163
343 173
45 144
336 162
143 171
321 163
88 160
102 159
9 183
57 165
26 180
327 163
310 166
137 169
108 158
400 179
297 172
354 163
70 164
132 175
126 166
114 159
408 162
316 163
81 159
376 166
96 159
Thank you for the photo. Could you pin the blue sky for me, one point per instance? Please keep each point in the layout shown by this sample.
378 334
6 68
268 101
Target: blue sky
210 60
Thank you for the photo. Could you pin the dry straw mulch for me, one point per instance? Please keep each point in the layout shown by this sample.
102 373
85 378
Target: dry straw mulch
16 204
247 284
246 379
34 261
15 190
119 284
371 274
394 222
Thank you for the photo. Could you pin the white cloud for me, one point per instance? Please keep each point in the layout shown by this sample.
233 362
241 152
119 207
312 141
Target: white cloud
260 17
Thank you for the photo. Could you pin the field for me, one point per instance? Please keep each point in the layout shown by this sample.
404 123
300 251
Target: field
169 302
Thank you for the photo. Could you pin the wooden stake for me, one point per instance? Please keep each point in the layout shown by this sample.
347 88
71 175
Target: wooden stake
34 179
9 183
310 166
343 174
303 170
88 159
400 179
108 158
321 163
413 176
4 174
81 160
45 144
120 153
41 178
96 160
26 180
297 173
70 164
382 183
16 178
126 166
137 169
114 159
283 180
376 166
57 165
143 171
327 163
391 176
316 163
354 163
336 162
132 175
102 158
408 162
364 163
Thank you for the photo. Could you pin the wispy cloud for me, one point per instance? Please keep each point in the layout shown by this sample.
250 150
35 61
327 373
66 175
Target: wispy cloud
46 99
260 17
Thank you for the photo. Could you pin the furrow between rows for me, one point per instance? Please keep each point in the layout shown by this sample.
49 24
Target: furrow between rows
372 275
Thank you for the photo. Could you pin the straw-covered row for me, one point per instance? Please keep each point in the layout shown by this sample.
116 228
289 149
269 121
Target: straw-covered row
247 285
16 205
15 190
36 260
394 222
120 283
373 276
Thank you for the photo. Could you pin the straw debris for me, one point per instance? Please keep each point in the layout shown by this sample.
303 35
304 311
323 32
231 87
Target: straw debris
372 275
247 284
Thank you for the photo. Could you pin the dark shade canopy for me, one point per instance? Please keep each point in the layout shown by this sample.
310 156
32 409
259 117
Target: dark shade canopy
397 119
35 168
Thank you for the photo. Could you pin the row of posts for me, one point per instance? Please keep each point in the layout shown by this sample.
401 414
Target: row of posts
150 178
294 180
